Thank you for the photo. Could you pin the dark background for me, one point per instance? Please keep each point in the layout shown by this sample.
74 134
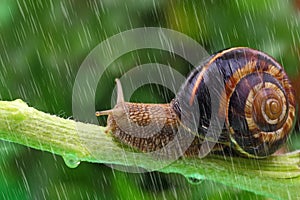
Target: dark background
43 43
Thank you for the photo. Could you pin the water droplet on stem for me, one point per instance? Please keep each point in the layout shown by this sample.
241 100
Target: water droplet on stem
71 161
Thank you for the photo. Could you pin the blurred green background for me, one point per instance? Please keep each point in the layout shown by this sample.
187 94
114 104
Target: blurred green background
43 43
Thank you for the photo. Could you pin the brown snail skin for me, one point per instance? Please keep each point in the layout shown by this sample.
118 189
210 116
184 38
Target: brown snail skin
258 100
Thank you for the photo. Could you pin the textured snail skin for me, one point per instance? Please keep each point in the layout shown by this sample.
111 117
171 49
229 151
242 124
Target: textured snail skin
138 113
258 99
128 123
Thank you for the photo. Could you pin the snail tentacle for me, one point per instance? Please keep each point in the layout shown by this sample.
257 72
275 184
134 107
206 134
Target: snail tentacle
120 100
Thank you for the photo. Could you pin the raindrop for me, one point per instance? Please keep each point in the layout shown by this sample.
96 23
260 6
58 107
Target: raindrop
195 181
71 161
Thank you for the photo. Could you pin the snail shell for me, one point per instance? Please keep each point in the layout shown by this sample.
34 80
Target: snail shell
257 99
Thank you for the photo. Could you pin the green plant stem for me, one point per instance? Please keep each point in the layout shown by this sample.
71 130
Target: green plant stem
276 176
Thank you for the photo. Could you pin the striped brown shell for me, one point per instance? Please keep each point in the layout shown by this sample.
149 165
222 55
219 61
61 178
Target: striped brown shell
257 100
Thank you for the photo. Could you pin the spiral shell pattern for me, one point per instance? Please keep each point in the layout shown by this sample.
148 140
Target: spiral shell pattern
258 99
266 100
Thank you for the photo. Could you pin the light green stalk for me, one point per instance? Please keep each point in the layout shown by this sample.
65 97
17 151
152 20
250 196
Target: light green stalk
276 176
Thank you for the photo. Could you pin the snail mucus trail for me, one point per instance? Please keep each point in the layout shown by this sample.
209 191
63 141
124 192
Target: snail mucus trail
258 103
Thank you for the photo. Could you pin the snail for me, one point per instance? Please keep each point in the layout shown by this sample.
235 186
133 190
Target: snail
257 104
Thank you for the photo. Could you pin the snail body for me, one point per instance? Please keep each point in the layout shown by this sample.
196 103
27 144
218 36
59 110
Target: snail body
257 104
